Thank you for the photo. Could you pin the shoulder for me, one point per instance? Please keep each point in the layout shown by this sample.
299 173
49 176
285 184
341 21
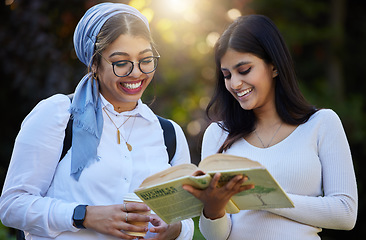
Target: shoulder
54 103
214 134
47 121
53 109
325 122
215 129
213 138
325 116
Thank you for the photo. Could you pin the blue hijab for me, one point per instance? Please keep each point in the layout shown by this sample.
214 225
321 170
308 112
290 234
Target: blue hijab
86 105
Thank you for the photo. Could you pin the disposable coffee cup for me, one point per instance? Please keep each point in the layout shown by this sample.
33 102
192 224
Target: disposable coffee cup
133 198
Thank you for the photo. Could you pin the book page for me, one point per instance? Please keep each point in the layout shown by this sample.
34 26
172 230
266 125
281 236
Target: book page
219 162
173 172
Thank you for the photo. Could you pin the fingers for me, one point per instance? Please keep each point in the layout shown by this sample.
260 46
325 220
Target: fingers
159 225
246 187
198 173
235 185
155 220
134 207
236 182
135 217
133 222
215 181
195 192
112 220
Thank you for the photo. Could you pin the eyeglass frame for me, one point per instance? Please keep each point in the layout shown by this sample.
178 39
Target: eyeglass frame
133 64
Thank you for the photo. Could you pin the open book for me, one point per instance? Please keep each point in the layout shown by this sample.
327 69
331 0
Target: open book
164 194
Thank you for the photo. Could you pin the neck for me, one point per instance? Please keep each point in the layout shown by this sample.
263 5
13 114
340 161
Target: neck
119 105
124 107
267 118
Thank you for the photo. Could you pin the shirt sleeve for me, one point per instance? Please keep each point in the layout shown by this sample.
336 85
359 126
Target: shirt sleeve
218 229
36 153
337 208
187 230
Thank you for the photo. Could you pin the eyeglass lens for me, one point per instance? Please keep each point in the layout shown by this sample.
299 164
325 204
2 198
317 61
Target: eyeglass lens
125 67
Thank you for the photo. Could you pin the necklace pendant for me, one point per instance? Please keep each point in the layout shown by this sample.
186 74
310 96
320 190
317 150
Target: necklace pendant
129 147
118 137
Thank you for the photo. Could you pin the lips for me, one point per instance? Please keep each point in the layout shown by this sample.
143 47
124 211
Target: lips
244 92
132 87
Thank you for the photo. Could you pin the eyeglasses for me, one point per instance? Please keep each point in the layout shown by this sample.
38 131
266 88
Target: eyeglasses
124 68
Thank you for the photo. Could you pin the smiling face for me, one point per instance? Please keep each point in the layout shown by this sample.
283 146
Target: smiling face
249 79
124 92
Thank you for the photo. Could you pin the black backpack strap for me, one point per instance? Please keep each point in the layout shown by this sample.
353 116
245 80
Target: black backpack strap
68 134
170 139
19 234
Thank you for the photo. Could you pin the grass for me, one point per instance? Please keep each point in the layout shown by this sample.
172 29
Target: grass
197 234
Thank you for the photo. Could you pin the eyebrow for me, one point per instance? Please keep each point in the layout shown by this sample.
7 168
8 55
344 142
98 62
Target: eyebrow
126 54
240 64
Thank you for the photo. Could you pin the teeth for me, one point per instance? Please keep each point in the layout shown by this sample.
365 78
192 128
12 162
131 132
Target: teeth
240 94
132 85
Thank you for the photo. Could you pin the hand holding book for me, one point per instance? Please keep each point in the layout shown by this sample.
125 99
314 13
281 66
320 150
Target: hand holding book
163 192
216 198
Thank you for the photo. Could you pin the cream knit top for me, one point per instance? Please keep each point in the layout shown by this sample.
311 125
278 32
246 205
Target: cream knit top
313 165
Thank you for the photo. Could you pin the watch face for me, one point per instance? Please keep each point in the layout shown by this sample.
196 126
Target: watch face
79 213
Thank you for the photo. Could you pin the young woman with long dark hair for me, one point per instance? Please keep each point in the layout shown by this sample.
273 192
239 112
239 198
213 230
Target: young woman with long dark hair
258 112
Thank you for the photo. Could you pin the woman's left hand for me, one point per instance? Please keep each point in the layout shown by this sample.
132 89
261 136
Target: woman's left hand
164 231
215 198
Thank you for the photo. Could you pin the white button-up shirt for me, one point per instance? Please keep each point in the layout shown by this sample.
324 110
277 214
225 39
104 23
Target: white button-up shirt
39 195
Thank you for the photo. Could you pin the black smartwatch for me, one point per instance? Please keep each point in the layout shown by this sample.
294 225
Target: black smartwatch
79 216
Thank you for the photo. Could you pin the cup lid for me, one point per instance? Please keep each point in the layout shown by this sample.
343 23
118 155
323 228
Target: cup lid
132 197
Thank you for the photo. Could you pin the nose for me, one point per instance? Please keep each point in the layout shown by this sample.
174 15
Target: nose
136 72
236 82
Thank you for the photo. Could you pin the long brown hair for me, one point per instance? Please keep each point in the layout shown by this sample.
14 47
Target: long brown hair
258 35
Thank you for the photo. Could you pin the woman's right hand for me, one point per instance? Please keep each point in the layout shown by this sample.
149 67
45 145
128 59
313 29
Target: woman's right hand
215 198
111 220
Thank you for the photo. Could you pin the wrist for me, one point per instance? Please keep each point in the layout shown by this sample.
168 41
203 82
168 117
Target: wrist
212 215
78 216
176 229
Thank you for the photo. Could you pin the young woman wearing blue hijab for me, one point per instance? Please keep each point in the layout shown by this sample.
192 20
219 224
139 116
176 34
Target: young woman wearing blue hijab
117 142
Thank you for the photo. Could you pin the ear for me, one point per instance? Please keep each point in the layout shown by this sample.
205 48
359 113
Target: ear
274 72
94 68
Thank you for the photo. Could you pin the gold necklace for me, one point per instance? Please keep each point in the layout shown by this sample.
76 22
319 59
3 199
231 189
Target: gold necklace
271 138
129 147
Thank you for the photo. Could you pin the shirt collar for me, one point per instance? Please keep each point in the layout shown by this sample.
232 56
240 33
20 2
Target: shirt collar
141 110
